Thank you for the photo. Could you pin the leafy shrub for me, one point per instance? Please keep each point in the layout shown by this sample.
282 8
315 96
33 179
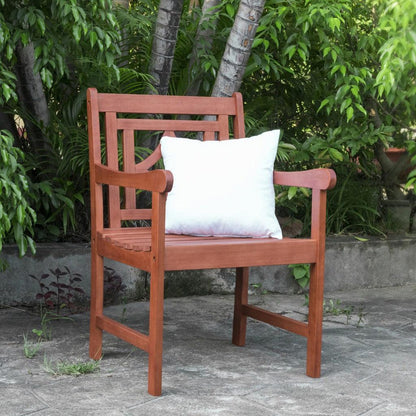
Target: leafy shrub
16 216
59 289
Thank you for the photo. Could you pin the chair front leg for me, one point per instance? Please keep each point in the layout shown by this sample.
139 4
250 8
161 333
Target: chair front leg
156 332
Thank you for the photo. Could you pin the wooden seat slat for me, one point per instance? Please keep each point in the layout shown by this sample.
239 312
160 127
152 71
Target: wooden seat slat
198 252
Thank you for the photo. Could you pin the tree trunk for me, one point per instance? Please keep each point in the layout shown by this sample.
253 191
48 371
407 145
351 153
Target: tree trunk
202 43
32 98
238 48
164 42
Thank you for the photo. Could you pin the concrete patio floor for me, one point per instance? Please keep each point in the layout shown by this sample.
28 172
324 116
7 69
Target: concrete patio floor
368 361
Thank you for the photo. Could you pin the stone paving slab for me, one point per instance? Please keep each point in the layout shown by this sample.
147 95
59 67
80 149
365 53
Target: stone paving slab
368 361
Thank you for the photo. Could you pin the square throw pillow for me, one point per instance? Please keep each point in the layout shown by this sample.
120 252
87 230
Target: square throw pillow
222 188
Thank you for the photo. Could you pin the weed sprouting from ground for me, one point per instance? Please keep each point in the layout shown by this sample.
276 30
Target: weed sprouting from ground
30 348
334 308
69 368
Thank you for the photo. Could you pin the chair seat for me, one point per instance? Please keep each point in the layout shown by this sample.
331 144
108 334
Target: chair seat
185 252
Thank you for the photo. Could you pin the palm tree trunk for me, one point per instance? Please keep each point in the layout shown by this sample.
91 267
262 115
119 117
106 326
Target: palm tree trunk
32 98
202 43
164 42
238 48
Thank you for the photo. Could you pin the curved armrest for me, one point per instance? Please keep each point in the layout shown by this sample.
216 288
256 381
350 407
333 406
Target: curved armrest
314 178
155 180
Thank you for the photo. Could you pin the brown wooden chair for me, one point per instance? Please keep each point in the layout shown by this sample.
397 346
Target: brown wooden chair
113 122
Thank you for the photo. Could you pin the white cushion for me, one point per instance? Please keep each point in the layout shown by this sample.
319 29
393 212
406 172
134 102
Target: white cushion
222 188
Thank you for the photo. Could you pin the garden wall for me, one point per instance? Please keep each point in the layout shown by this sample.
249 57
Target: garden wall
350 264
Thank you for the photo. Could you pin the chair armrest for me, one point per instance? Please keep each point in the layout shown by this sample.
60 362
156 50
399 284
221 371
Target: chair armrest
314 178
155 181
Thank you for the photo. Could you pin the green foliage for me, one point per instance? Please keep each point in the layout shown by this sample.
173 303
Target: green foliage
70 368
354 205
337 77
76 45
301 274
58 30
54 201
16 215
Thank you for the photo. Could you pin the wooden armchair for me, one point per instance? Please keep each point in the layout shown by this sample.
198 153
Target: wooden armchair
113 122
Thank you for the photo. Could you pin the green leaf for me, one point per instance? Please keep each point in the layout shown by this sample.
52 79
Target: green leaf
334 23
19 238
47 77
76 31
257 42
323 104
93 38
299 272
75 13
361 238
7 92
230 9
4 156
412 174
360 108
9 52
350 113
292 192
303 282
31 244
302 54
20 212
41 25
336 154
345 104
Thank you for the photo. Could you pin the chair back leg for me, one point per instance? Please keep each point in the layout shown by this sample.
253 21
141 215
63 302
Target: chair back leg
241 298
316 301
97 304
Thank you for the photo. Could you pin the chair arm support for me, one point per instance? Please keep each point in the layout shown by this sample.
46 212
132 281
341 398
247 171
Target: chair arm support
322 179
155 181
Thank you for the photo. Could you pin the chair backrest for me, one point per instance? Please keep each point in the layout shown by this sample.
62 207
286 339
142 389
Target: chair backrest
116 127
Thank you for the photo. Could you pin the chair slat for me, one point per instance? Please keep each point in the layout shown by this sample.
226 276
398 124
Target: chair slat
129 165
151 104
112 162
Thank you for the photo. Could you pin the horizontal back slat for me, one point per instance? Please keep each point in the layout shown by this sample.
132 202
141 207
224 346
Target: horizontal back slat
152 104
160 124
136 214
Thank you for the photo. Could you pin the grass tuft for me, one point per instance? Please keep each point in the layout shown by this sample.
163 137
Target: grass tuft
70 369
